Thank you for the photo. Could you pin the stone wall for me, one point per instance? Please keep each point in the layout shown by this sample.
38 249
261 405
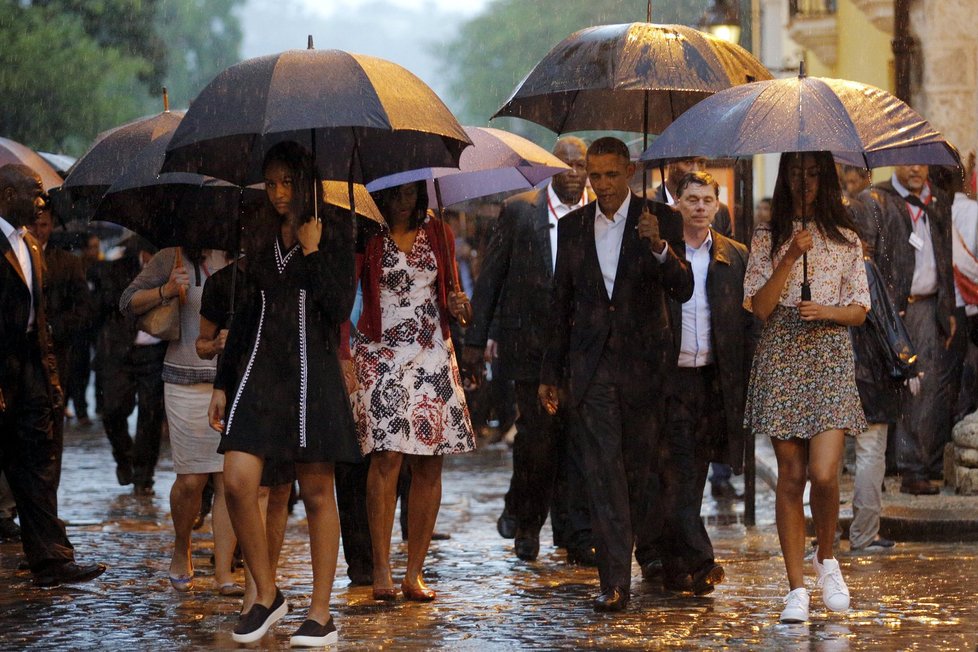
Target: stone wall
945 90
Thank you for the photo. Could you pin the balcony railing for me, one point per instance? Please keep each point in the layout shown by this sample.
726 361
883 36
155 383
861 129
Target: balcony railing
811 8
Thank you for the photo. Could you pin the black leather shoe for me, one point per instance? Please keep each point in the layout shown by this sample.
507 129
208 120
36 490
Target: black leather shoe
614 599
9 530
724 489
527 547
918 487
506 525
706 578
582 556
123 473
652 570
67 573
677 583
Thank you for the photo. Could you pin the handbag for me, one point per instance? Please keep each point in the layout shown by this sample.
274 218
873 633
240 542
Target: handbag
897 357
163 321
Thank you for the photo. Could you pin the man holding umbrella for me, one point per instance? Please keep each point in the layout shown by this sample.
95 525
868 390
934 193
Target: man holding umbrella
609 342
515 280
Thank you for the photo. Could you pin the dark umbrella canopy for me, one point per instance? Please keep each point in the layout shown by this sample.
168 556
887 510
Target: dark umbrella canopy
13 152
860 124
601 77
331 101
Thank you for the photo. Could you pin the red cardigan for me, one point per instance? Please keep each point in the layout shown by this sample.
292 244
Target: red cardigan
368 272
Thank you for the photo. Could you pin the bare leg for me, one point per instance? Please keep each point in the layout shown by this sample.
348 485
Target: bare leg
381 499
425 499
319 498
789 508
250 591
824 455
224 539
242 475
184 507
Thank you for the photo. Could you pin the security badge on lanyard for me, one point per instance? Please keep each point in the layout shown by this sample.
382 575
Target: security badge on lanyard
916 210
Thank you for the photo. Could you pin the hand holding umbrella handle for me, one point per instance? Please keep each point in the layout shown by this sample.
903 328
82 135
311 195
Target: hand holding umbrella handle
648 228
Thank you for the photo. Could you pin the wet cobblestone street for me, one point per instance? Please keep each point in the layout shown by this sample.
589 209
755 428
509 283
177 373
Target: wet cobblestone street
920 596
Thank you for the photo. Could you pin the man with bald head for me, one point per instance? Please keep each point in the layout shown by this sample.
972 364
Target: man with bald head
517 271
29 390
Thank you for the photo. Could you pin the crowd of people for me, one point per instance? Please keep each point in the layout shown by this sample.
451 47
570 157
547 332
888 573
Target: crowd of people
636 343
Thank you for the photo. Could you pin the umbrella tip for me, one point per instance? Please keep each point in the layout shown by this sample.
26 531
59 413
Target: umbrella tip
648 12
801 69
309 45
166 101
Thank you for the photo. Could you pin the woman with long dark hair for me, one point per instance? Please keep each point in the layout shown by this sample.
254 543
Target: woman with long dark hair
802 391
289 403
409 404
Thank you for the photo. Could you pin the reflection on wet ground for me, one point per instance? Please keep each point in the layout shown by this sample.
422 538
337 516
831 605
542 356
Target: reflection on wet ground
919 596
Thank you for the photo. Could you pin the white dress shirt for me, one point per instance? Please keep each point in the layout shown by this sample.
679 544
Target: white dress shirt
696 348
556 209
925 263
608 234
20 249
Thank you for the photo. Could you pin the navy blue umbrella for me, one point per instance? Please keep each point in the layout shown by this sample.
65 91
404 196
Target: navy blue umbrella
860 124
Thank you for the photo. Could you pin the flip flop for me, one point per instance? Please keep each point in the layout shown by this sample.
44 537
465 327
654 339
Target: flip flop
182 583
230 589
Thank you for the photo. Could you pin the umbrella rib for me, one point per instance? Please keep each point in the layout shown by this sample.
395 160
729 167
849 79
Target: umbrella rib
563 123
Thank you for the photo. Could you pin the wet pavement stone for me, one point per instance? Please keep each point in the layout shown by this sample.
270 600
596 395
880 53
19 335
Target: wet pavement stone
918 596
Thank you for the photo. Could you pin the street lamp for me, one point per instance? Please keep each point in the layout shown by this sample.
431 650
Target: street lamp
722 19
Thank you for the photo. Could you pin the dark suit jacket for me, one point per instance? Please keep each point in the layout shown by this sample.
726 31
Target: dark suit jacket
888 235
68 300
584 320
734 333
512 293
117 332
15 306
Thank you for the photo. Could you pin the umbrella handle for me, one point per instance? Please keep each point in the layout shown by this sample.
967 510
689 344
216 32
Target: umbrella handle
466 315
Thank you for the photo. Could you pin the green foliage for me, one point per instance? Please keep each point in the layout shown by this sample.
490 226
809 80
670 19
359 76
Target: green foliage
495 50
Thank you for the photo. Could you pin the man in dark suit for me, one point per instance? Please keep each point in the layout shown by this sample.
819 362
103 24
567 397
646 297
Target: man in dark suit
714 337
608 347
513 294
911 247
29 390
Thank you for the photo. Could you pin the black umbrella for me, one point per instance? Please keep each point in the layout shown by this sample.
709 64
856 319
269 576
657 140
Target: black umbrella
860 124
362 117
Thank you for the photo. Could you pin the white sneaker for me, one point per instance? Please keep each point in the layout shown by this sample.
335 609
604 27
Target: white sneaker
835 593
795 606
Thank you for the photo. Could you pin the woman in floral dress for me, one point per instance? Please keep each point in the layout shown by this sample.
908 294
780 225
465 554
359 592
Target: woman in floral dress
409 401
802 391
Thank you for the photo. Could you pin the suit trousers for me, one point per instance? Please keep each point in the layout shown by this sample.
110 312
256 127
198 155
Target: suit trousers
924 425
137 376
694 417
539 456
351 502
29 458
617 442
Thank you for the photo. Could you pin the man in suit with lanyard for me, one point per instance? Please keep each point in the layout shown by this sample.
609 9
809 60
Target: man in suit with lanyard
912 249
609 344
515 280
29 391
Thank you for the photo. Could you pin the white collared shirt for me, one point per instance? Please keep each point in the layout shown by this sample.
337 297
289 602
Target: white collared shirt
695 349
608 234
925 262
556 210
23 254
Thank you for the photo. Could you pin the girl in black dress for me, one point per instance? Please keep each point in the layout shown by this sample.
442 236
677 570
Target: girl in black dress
289 402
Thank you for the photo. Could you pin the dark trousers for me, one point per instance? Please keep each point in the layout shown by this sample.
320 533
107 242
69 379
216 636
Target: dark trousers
30 459
351 501
136 377
617 443
540 455
694 419
924 425
570 517
79 371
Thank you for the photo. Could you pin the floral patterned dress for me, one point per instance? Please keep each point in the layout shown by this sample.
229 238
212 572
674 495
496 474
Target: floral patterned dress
803 380
410 398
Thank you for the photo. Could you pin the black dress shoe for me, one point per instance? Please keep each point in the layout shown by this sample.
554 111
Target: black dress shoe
582 556
123 473
707 577
527 547
652 570
918 487
506 525
677 582
724 489
614 599
67 573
